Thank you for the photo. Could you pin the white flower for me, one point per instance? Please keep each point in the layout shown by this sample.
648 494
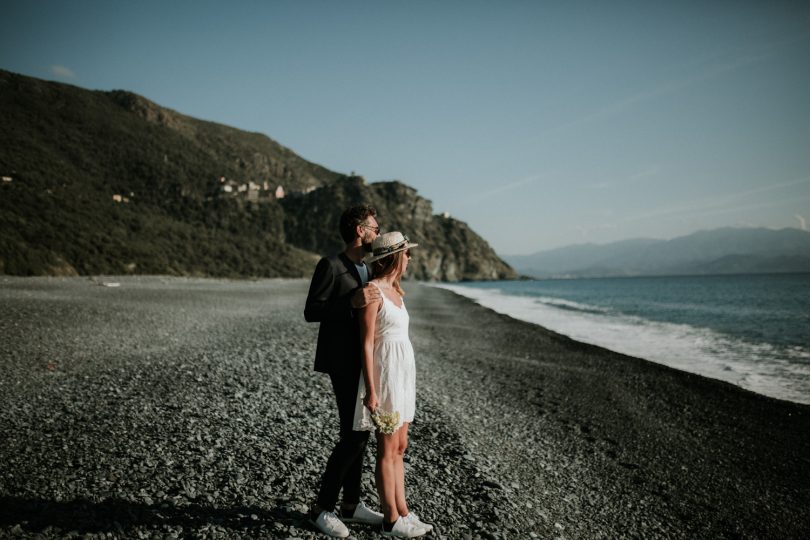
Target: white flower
386 422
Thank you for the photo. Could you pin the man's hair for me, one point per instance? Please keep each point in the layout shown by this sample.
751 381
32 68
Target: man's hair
353 217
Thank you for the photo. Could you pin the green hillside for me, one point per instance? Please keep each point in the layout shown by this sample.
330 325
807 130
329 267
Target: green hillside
111 183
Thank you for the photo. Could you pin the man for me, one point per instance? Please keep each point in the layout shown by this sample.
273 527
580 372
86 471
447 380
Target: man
338 287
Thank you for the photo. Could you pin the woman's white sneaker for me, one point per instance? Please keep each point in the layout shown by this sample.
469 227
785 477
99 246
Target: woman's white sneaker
413 518
328 523
364 514
404 529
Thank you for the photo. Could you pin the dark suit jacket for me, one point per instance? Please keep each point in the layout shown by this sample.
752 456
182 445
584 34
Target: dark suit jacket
329 303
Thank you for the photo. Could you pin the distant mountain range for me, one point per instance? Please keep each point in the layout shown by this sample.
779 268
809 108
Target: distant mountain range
111 183
718 251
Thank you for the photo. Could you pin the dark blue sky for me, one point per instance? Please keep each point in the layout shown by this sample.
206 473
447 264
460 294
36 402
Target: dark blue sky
539 123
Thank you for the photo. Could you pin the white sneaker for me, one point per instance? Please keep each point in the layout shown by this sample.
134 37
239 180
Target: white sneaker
413 518
328 523
404 529
364 514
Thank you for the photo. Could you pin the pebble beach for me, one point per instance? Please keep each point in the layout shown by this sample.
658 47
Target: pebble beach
159 407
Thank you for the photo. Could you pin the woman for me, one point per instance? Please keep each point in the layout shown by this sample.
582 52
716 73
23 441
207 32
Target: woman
386 395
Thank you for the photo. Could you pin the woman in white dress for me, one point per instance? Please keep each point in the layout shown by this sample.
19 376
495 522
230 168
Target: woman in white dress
386 395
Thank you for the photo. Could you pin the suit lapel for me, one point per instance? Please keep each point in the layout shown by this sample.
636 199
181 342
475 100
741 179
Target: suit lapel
351 268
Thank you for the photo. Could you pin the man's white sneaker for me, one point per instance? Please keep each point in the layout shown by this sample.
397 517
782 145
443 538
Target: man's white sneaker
364 514
413 518
404 529
328 523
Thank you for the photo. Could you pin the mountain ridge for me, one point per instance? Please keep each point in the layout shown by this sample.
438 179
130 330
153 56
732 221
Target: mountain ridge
715 251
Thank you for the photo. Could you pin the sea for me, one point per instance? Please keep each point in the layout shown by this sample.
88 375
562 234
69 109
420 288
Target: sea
749 330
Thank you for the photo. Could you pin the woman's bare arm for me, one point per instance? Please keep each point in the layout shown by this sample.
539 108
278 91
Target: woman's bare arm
368 322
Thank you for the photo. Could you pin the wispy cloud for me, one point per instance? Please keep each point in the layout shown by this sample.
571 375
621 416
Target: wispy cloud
62 72
634 178
667 87
802 222
752 206
713 205
501 188
643 174
716 69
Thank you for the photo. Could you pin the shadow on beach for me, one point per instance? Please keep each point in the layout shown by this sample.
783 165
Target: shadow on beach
121 516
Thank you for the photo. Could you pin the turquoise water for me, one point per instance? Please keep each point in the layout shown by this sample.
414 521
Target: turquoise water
751 330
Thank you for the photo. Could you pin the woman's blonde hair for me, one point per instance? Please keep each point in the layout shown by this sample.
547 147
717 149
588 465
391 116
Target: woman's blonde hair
393 264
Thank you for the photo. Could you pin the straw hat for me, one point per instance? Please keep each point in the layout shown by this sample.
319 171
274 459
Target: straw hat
387 244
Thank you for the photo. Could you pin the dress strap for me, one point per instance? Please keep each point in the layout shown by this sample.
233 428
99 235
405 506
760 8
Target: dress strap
384 298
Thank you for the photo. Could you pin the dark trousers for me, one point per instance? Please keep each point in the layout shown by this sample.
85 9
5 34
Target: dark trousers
344 469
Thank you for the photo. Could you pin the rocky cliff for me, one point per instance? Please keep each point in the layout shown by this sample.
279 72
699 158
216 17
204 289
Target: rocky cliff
448 249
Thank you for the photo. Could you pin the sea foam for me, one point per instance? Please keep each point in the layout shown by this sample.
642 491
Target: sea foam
782 373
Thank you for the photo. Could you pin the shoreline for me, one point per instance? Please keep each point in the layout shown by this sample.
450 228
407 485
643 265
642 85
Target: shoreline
719 358
182 408
653 276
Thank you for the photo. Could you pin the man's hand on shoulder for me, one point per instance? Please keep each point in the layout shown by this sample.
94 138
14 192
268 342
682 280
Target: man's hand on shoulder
363 297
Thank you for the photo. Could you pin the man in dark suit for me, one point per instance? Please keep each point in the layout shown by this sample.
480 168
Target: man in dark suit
338 287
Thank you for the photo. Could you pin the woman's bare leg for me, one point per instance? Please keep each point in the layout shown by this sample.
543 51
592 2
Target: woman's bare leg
402 443
386 475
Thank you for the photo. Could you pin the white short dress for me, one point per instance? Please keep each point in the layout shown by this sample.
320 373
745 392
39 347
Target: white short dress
394 368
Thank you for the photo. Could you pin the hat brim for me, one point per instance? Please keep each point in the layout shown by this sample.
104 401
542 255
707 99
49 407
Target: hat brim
372 258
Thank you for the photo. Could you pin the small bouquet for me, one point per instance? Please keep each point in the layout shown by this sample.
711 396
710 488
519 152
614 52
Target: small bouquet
386 422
